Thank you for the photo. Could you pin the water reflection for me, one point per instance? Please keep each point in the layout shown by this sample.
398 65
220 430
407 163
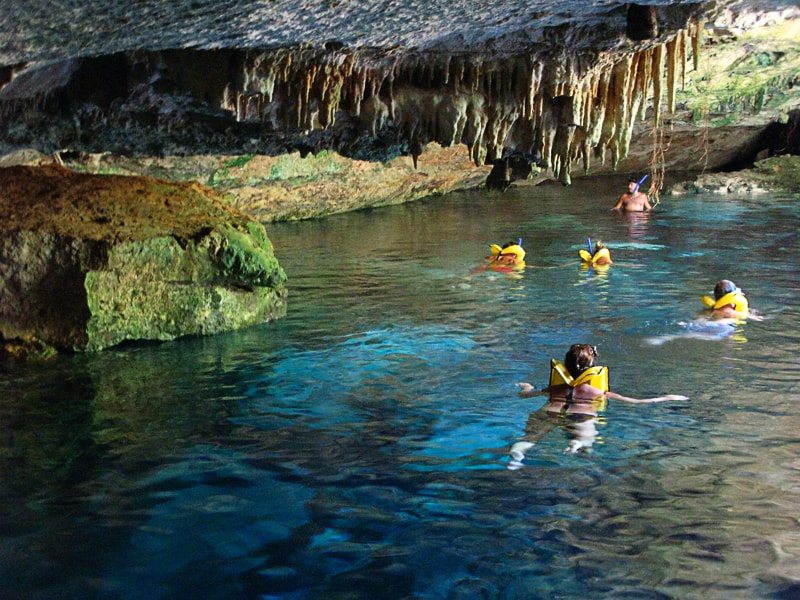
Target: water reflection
637 223
359 446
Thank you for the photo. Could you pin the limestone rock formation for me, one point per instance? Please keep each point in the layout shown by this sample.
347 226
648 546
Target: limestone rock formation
87 262
570 87
291 187
565 86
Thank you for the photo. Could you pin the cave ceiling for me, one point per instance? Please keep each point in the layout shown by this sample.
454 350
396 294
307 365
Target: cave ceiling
559 82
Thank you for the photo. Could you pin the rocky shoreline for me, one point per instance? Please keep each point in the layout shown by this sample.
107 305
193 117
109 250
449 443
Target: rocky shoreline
89 261
775 174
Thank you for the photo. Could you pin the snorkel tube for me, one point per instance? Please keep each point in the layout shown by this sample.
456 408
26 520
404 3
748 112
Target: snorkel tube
639 183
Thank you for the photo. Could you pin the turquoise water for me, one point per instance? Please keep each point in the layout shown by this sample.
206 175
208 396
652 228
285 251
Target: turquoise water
359 447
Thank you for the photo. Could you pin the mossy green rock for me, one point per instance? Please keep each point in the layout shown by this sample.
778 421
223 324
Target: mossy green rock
159 289
87 261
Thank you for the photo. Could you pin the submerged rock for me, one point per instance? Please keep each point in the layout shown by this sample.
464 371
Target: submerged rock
88 261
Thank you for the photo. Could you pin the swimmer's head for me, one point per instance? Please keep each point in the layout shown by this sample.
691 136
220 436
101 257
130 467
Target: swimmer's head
514 249
579 358
726 286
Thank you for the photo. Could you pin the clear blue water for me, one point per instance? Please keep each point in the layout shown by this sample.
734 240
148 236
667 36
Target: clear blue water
359 447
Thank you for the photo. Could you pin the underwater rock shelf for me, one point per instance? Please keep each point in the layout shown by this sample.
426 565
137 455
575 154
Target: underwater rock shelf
89 261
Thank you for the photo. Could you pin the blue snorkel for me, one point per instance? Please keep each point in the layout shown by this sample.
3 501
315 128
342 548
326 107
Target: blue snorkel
641 181
589 243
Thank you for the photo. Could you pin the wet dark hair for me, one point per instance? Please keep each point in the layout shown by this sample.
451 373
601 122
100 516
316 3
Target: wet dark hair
579 358
633 179
725 286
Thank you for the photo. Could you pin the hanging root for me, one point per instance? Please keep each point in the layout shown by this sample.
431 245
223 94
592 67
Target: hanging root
658 161
704 157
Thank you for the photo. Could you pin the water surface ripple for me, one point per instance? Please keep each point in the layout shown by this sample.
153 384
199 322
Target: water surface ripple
358 448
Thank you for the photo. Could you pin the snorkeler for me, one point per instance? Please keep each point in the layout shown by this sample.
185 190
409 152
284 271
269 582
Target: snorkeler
633 199
511 254
598 253
509 258
729 302
727 310
578 388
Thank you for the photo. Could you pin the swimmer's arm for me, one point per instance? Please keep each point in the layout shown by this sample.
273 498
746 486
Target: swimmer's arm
618 205
668 397
526 390
647 205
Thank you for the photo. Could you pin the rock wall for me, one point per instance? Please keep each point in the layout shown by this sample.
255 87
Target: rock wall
291 187
566 95
573 89
87 262
779 174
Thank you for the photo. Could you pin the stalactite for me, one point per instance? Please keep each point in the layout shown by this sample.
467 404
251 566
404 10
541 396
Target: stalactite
637 99
625 75
658 74
565 108
697 39
646 67
548 125
671 51
682 40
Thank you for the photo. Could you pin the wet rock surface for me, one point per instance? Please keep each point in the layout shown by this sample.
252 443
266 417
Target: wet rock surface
87 262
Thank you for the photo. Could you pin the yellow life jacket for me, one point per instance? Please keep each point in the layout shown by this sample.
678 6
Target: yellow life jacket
595 376
735 297
592 259
515 249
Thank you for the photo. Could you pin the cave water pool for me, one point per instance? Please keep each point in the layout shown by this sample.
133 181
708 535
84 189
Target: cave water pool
359 448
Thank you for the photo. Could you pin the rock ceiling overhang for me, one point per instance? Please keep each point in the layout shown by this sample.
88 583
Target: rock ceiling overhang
36 30
560 81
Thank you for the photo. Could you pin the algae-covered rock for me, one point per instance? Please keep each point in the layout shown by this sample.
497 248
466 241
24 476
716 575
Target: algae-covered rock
87 262
782 171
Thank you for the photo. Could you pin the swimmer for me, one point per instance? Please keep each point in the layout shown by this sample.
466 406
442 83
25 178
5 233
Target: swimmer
577 383
633 200
726 310
511 253
578 388
729 302
505 259
598 254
